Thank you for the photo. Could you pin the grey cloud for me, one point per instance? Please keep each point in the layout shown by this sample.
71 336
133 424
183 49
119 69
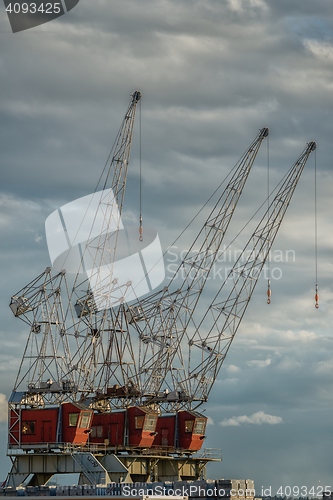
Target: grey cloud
211 73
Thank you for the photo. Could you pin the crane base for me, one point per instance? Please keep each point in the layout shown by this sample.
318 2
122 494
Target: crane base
36 469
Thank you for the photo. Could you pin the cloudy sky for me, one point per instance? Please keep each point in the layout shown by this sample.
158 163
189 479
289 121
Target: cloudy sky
212 73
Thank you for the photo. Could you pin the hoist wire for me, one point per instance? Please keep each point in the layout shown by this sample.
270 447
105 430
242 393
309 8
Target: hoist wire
140 174
140 153
316 221
268 197
316 229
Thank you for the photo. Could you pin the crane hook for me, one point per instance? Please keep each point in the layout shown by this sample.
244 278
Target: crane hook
269 292
141 229
316 297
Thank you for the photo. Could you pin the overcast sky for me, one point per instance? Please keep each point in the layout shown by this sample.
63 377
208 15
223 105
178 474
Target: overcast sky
212 73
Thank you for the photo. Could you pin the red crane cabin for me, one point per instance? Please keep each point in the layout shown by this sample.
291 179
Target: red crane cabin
141 427
191 430
33 426
108 428
165 428
76 423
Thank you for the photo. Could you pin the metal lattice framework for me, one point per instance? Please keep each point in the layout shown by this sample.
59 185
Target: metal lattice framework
89 342
73 340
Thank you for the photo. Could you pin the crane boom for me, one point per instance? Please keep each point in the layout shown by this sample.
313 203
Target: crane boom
169 313
215 332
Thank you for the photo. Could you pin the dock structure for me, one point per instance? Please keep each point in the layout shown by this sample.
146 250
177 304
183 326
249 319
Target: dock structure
96 467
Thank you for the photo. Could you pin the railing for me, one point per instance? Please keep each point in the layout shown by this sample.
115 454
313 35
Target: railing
101 448
211 454
14 449
159 450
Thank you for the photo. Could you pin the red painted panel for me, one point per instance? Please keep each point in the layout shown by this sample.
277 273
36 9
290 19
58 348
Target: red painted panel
165 429
33 426
108 428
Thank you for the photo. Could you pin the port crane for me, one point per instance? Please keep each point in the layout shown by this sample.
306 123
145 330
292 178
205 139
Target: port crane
194 356
106 367
60 359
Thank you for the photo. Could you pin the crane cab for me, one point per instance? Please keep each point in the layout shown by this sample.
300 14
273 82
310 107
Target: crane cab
141 426
108 429
191 430
76 423
36 428
32 426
